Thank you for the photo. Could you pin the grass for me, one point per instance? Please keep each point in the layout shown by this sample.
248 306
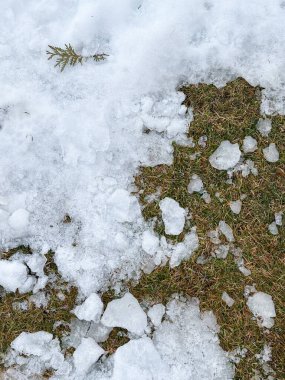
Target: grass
14 321
228 113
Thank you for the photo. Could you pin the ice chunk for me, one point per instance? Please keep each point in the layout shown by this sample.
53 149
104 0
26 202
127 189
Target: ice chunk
125 312
226 156
91 309
150 242
227 299
139 359
13 275
156 313
236 206
86 354
173 216
271 153
278 218
195 184
273 229
222 251
261 305
249 144
264 126
32 343
184 249
226 231
19 220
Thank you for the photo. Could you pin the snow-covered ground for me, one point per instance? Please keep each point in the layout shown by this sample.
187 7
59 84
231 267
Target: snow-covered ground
72 142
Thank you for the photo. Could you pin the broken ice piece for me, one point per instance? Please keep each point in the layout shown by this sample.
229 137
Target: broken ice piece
226 231
264 126
278 218
150 242
202 141
249 144
173 216
227 299
195 184
226 156
272 227
155 313
271 153
206 197
91 309
125 312
222 251
86 354
262 306
235 206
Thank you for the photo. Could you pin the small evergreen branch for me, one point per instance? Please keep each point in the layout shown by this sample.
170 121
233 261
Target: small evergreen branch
68 56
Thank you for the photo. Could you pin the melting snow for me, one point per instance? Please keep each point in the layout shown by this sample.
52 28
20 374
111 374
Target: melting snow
262 306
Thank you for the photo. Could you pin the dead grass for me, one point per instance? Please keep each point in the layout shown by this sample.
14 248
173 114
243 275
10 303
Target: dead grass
14 321
229 113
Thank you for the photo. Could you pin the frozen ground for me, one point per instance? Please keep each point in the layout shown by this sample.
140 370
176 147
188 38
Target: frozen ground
71 142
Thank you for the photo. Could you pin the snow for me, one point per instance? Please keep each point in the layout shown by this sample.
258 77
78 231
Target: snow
150 242
272 228
278 218
91 309
188 343
227 299
34 353
72 142
195 184
155 313
249 144
125 312
262 306
13 275
226 230
86 354
139 360
19 219
264 127
226 156
235 206
173 216
271 153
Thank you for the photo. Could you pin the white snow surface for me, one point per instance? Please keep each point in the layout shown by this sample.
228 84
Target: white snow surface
127 313
173 216
226 156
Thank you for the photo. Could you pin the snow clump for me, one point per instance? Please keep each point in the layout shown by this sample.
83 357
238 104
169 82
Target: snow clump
173 216
262 306
226 156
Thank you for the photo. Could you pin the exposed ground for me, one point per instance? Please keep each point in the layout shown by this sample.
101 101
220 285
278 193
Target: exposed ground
229 113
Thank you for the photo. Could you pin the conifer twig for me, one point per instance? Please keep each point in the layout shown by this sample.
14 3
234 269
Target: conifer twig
68 56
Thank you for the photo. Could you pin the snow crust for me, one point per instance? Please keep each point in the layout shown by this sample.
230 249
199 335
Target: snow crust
173 216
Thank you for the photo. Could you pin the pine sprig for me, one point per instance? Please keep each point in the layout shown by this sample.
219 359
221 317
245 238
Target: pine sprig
68 56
